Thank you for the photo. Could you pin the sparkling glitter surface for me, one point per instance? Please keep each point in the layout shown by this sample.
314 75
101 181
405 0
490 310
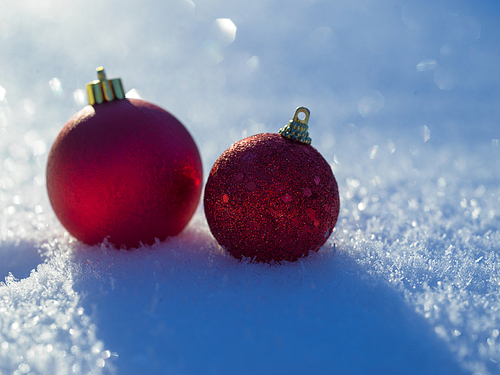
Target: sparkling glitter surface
270 198
126 170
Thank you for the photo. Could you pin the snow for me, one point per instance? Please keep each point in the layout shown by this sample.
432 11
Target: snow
404 104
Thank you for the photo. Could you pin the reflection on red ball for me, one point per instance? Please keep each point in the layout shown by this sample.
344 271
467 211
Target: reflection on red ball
125 170
270 198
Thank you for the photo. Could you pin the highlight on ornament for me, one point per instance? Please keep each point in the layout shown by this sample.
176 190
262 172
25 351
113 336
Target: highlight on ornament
272 197
123 169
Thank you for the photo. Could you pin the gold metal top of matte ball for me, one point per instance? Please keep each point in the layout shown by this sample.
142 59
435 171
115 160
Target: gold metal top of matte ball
104 90
297 130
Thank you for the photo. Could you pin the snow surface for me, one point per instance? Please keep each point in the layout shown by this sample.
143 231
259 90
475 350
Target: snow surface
405 104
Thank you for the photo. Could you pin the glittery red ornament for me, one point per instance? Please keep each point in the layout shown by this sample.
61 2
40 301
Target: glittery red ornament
125 170
269 197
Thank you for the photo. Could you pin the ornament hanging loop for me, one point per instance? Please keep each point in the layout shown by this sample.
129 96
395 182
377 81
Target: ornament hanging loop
303 110
297 130
104 90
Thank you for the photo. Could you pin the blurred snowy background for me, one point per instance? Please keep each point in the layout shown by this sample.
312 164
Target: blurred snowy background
405 105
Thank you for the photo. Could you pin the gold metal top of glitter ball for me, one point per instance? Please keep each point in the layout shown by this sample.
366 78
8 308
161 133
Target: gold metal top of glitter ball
297 130
104 90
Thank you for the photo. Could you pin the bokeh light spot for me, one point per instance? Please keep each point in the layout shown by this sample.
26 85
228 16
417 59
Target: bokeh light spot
253 63
426 65
445 79
56 86
371 103
227 30
79 97
2 93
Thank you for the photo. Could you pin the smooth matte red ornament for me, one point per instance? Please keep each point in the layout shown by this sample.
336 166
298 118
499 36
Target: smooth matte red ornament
125 170
271 198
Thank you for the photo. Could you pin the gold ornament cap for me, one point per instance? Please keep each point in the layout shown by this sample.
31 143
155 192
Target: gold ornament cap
104 90
297 130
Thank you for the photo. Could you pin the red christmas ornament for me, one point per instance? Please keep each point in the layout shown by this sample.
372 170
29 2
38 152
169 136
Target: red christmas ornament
123 169
272 196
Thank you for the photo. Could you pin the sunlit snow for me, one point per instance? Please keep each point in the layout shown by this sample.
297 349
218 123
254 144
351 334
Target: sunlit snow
404 100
